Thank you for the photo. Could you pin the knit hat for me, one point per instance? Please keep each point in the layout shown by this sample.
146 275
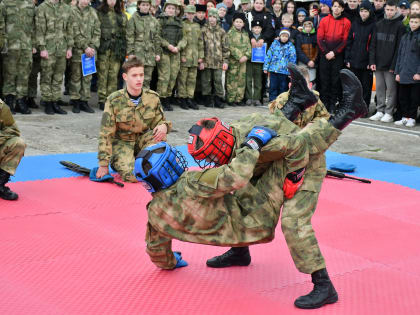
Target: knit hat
239 15
190 9
404 3
213 12
301 10
326 2
200 8
221 5
257 22
366 5
284 30
309 19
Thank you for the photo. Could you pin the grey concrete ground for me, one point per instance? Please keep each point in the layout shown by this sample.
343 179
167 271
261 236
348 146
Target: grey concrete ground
71 133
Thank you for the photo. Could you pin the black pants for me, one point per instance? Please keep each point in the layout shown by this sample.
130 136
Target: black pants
329 73
365 77
409 95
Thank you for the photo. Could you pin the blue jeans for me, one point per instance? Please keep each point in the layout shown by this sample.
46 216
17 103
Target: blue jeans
278 85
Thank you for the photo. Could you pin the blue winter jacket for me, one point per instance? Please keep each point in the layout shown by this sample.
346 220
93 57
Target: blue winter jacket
278 56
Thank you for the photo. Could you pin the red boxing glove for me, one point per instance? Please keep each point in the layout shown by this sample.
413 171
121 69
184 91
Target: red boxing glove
292 182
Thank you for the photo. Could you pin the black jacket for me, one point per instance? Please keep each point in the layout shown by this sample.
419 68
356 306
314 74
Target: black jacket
267 33
379 14
229 14
385 43
359 42
351 14
408 60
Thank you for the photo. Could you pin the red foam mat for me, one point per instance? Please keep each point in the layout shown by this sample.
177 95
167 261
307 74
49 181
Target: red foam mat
71 246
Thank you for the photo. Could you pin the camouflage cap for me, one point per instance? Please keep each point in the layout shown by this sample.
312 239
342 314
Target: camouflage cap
245 1
140 1
173 2
190 9
213 12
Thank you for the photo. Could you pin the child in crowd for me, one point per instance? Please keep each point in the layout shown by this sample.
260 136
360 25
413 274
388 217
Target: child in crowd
172 43
221 10
279 55
307 48
200 19
254 70
287 22
216 56
415 8
191 56
277 6
301 14
404 9
362 30
407 73
240 51
383 58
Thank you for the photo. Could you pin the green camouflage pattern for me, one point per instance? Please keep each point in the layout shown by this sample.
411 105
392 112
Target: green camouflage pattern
143 38
168 69
17 66
186 81
254 75
33 76
171 32
52 71
194 48
12 146
126 129
216 48
108 68
212 77
113 37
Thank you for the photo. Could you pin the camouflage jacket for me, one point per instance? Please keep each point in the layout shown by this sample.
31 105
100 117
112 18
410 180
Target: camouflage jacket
17 17
123 120
113 27
316 168
194 49
216 49
169 31
239 45
143 38
86 30
8 127
54 28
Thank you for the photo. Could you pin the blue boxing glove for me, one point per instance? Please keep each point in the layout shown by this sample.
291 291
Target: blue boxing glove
258 137
179 261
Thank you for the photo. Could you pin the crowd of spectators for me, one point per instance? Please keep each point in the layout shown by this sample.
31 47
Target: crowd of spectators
378 39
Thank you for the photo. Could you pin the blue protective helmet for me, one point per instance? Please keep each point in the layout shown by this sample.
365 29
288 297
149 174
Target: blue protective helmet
159 166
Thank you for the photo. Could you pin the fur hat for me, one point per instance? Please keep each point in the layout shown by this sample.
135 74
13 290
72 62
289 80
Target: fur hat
239 15
257 22
200 8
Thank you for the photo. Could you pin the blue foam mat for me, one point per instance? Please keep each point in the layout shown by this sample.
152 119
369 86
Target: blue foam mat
47 167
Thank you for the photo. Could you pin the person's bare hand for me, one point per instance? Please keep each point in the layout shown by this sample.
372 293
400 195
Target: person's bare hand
311 64
69 54
243 59
253 43
44 54
102 171
397 78
159 132
225 67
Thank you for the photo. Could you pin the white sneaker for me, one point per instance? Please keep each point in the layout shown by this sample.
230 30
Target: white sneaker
410 122
401 122
377 116
387 118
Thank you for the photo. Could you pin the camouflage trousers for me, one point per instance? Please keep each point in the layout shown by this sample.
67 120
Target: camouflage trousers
186 82
168 68
235 82
148 72
16 69
79 85
108 68
124 153
254 75
33 76
52 72
11 152
260 202
210 77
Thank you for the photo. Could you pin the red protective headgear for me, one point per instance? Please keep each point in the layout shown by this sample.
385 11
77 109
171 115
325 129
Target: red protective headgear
219 143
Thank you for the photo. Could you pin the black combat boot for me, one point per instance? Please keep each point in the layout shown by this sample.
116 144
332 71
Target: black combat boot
49 110
57 109
10 101
236 256
101 105
352 105
84 106
5 192
21 106
208 101
165 104
61 103
183 103
76 106
218 102
30 101
300 96
322 293
192 104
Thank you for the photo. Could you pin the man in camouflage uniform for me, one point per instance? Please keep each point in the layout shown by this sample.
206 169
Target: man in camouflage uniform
12 149
112 49
18 20
127 127
54 33
172 42
216 56
143 39
86 35
240 52
191 55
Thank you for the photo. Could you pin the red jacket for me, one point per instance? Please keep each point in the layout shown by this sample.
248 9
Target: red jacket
332 34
